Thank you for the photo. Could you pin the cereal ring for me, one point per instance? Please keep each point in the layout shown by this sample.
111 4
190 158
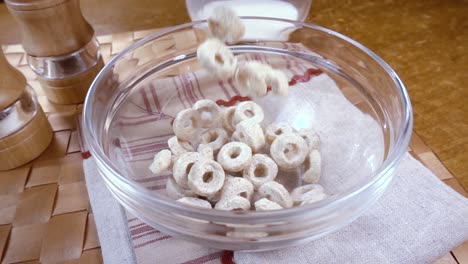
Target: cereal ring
183 166
248 111
275 129
261 169
178 147
206 177
161 162
210 112
196 202
186 124
289 151
215 138
226 25
217 58
251 78
228 117
278 81
266 205
206 151
236 186
250 133
312 167
304 192
175 191
234 156
311 137
313 198
276 192
233 203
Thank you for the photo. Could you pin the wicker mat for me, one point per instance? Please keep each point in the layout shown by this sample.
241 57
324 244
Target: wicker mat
45 215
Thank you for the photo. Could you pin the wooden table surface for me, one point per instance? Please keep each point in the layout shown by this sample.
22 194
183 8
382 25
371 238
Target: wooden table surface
424 41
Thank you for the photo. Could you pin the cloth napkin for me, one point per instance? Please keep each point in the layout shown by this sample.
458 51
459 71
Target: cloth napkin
416 221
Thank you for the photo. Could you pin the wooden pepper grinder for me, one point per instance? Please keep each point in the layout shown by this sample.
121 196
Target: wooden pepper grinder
61 47
25 131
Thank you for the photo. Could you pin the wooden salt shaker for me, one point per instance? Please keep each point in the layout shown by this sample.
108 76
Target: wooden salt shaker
61 47
25 131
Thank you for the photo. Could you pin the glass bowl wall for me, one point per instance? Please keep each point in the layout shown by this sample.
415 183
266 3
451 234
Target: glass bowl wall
357 103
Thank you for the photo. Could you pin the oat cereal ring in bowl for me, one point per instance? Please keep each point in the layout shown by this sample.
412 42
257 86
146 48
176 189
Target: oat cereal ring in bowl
289 151
338 88
216 57
206 177
187 124
215 138
248 111
234 156
183 165
274 130
260 170
209 111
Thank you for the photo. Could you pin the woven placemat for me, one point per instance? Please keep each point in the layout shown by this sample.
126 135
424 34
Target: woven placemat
45 215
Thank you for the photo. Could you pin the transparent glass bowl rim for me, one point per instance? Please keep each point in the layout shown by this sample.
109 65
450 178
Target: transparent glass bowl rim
334 201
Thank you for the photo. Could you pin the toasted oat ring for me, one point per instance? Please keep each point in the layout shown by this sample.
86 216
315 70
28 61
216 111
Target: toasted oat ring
183 165
186 124
251 133
311 137
237 186
226 25
251 77
206 177
313 197
266 205
305 192
312 167
248 111
289 151
228 117
217 58
276 129
278 81
215 138
234 156
210 112
276 192
161 162
260 170
178 147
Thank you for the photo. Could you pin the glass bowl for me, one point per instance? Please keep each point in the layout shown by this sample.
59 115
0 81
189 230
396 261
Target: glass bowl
351 97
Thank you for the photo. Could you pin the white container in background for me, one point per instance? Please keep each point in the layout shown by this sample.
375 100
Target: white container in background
268 30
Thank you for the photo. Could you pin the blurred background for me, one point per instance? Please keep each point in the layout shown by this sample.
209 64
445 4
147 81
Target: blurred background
426 42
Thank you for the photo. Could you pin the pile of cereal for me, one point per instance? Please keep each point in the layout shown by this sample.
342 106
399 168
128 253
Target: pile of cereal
222 157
